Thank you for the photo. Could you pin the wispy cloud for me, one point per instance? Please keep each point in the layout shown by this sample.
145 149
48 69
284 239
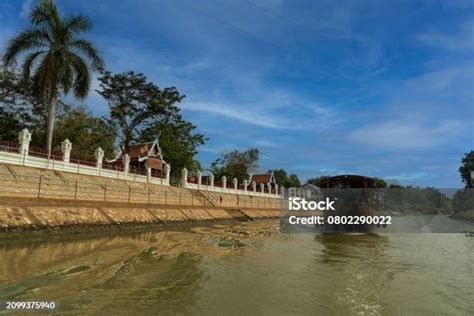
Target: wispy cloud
408 134
459 40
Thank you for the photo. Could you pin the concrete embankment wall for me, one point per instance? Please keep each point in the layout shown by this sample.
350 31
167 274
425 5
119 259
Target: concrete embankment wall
38 199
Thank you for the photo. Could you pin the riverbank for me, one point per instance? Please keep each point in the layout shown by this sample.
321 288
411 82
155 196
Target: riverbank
21 215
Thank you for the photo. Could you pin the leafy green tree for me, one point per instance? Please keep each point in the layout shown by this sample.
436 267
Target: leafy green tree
467 165
293 181
20 108
16 104
236 164
136 104
86 133
56 59
178 142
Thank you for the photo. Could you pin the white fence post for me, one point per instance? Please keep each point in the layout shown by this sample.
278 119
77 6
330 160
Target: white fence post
168 173
211 177
282 191
224 182
66 147
199 178
276 189
245 185
24 138
262 187
235 183
269 187
126 163
184 177
99 157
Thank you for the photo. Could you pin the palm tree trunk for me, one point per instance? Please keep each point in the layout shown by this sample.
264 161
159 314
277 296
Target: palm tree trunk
52 110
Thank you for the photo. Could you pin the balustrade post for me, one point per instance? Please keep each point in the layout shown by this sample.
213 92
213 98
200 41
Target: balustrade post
224 182
167 173
24 138
245 185
126 163
282 191
66 147
254 187
211 178
184 177
199 179
236 182
99 157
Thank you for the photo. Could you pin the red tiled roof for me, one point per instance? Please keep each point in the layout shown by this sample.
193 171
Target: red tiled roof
261 178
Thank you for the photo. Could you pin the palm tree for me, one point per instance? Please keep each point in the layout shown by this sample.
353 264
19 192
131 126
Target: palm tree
57 58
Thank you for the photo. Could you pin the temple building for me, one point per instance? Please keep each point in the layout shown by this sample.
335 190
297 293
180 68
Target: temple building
143 156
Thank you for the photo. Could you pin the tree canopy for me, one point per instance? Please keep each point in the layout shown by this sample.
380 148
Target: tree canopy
136 104
236 164
57 60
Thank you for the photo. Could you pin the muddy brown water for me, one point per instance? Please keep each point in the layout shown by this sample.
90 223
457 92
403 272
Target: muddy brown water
246 268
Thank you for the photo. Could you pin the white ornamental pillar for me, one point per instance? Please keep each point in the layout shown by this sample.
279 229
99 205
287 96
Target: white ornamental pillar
224 182
276 189
282 191
235 181
99 156
211 178
262 187
269 188
245 185
148 174
126 163
184 177
199 178
66 147
254 186
168 172
24 138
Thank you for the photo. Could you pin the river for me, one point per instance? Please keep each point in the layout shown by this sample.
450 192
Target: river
247 268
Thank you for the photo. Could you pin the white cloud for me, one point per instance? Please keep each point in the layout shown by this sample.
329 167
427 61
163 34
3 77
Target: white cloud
406 134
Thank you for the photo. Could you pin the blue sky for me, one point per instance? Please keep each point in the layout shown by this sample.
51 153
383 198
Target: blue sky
380 88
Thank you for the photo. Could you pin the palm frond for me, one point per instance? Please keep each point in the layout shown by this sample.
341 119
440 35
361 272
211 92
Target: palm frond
67 78
45 12
44 80
82 78
26 40
77 23
26 68
88 49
